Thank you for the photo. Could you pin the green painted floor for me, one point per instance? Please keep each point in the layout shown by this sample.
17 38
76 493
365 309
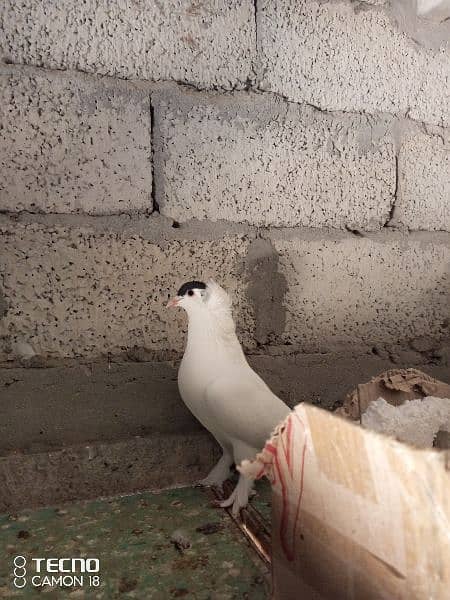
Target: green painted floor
172 544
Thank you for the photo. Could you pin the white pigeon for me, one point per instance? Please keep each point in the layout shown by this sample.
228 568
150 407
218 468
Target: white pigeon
221 389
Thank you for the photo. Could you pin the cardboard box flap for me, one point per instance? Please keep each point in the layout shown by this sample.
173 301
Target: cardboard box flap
395 386
355 515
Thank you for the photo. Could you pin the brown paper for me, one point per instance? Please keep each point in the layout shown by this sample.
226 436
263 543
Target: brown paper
356 515
395 386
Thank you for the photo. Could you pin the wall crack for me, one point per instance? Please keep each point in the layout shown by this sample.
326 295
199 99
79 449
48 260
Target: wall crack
155 205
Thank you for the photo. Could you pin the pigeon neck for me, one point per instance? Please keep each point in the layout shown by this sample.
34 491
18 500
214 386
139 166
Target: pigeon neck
210 333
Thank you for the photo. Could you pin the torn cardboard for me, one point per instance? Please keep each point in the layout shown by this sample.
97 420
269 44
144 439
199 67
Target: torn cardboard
355 515
395 386
402 388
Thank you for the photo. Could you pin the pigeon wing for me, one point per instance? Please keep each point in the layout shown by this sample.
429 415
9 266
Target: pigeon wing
244 409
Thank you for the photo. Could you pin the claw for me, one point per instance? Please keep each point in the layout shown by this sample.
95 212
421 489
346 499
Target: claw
239 497
226 503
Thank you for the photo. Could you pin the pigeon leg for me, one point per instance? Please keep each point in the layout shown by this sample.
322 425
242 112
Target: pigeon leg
220 472
239 496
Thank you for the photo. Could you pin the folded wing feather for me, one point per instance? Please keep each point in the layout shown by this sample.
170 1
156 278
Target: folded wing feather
244 409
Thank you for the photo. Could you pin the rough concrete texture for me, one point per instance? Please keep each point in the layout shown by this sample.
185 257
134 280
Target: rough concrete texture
325 379
266 290
87 286
206 44
50 408
47 408
424 182
381 290
260 160
73 143
75 431
102 469
344 56
90 286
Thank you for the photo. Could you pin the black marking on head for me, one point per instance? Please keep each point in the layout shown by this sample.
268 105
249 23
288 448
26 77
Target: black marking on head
191 285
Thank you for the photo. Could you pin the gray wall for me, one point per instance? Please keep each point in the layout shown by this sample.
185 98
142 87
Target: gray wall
297 151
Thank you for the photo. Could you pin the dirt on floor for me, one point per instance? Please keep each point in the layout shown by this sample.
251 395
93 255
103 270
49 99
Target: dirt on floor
150 546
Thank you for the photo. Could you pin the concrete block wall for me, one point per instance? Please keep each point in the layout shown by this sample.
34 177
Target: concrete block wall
259 160
209 44
73 144
342 56
297 151
92 287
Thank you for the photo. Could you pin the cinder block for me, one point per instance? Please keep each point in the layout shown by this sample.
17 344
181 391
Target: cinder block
207 44
350 291
73 143
424 183
263 161
338 56
35 420
93 286
101 468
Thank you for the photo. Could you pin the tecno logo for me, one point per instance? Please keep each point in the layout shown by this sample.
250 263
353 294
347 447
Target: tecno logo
20 572
66 565
57 572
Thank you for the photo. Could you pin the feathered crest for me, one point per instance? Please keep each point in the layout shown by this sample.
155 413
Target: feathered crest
216 296
219 303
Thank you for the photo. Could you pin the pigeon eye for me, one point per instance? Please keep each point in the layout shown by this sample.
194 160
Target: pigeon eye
190 292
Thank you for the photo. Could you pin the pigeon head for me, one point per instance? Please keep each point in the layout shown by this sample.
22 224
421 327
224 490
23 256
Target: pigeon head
190 295
206 303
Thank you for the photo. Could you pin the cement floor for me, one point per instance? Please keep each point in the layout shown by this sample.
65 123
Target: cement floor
139 542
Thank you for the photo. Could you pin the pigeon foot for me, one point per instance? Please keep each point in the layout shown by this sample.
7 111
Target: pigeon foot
239 496
219 473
